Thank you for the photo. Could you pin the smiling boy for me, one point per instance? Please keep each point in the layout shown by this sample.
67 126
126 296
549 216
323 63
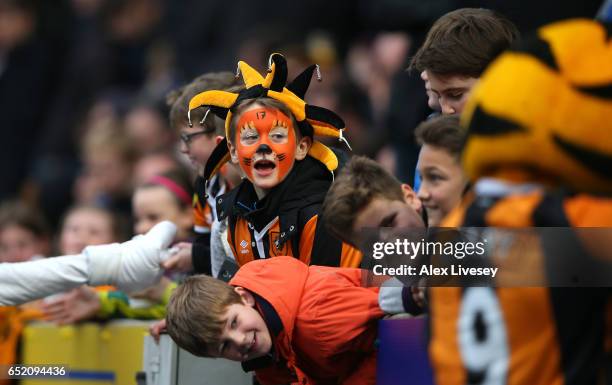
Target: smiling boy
443 181
287 321
366 196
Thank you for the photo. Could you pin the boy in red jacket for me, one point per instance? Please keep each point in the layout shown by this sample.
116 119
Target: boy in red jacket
287 321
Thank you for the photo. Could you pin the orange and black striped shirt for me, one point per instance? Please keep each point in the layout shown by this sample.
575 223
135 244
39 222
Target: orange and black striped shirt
523 335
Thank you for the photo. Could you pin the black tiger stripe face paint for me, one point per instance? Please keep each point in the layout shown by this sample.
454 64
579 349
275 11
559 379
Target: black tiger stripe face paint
269 128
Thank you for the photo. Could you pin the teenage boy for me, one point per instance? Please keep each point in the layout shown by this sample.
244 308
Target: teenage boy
198 142
365 195
457 49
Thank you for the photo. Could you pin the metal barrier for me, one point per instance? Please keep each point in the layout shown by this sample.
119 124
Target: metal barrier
166 364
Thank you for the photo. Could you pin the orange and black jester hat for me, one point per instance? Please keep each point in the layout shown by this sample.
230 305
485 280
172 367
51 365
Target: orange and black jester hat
312 120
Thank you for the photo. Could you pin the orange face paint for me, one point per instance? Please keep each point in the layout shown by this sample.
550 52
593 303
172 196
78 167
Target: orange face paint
265 144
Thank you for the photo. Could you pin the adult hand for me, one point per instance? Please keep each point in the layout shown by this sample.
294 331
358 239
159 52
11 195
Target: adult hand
76 305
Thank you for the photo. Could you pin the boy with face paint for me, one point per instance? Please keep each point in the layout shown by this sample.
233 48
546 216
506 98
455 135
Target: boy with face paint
275 211
266 146
269 131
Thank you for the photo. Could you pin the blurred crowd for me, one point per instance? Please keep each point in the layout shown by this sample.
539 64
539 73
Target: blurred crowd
83 85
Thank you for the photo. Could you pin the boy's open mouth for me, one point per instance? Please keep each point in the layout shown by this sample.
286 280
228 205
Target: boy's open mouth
264 167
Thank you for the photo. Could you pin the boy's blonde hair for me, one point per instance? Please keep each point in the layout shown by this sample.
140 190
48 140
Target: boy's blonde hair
361 180
196 313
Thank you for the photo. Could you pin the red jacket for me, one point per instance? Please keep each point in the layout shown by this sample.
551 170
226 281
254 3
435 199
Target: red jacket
329 321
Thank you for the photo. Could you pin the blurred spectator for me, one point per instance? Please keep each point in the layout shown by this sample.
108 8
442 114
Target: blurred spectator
24 236
24 233
147 127
372 64
155 163
90 225
26 80
110 52
108 159
165 197
83 226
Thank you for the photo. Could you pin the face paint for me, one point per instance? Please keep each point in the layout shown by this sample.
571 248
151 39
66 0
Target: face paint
265 145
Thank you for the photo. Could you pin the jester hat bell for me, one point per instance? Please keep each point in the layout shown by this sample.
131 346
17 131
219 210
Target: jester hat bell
312 120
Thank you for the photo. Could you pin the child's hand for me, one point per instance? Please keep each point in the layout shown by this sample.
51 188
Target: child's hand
76 305
157 329
181 259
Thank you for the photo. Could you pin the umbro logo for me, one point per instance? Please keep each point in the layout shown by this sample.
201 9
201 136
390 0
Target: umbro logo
244 244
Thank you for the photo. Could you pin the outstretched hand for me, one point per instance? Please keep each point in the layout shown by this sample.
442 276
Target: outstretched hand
76 305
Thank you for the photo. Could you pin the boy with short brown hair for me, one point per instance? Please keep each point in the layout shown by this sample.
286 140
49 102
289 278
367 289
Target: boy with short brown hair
178 100
444 132
362 196
198 142
457 49
290 322
442 179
